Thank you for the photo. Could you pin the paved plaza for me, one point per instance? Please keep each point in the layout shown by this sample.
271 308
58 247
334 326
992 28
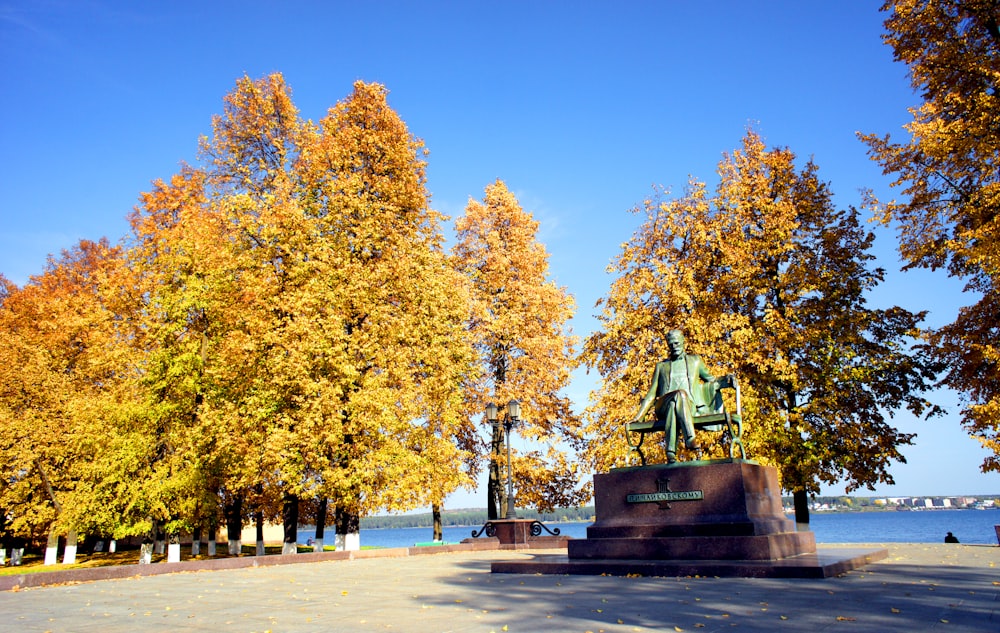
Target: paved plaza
919 587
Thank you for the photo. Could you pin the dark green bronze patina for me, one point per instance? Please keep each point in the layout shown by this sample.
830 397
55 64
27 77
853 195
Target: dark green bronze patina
684 394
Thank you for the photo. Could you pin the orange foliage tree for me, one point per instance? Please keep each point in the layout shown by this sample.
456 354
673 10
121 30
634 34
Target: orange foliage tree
949 173
392 310
61 384
519 327
304 325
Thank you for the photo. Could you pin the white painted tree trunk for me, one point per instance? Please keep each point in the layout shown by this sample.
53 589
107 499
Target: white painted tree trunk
112 546
52 550
146 554
3 556
160 547
195 548
350 542
16 555
318 545
211 546
69 555
174 553
235 546
260 548
99 546
289 548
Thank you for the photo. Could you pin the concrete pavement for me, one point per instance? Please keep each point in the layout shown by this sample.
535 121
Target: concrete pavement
954 588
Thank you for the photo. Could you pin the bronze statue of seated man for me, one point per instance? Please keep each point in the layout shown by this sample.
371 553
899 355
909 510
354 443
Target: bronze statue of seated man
681 389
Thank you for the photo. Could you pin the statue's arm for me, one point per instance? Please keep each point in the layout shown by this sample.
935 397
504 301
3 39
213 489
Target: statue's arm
647 402
703 372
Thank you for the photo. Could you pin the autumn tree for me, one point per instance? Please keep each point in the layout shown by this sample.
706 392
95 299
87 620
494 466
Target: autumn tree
519 326
284 323
391 313
187 290
265 380
344 349
948 173
769 280
60 382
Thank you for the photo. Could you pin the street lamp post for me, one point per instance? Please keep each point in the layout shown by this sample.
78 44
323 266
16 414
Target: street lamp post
511 416
510 530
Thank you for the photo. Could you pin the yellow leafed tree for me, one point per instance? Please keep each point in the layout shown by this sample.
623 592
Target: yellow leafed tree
949 174
305 328
393 312
183 279
60 384
519 326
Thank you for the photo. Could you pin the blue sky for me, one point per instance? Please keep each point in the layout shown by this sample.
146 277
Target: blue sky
581 107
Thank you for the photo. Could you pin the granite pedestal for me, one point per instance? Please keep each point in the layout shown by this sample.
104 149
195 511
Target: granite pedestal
723 517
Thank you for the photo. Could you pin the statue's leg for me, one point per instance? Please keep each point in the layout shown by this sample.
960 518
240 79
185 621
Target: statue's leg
685 411
670 434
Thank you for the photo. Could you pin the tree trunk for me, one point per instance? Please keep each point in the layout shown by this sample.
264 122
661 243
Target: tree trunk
52 549
16 551
348 526
146 550
320 525
234 525
259 522
196 542
801 500
69 554
159 536
174 548
213 534
290 518
438 529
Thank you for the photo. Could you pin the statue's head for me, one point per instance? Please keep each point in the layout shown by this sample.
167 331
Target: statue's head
675 342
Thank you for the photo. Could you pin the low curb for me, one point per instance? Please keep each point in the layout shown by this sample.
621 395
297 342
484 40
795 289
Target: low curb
16 582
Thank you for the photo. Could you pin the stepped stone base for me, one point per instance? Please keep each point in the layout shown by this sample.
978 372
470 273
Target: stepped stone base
721 518
822 564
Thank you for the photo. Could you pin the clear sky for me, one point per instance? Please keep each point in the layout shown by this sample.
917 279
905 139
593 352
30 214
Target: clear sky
581 107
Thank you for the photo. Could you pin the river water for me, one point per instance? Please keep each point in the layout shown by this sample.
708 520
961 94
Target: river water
922 526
